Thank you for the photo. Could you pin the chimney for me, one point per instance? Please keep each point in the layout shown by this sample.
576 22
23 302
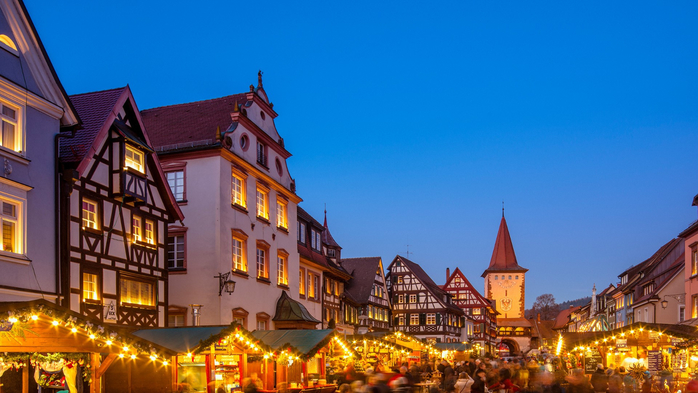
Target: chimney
448 273
538 317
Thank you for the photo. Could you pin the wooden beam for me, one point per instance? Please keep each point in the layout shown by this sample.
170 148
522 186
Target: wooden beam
105 365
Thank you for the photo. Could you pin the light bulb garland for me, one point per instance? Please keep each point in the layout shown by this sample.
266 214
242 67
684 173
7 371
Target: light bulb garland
22 320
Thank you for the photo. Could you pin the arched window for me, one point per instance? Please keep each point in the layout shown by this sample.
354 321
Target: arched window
7 44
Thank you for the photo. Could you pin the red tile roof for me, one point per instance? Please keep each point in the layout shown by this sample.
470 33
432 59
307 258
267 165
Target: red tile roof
503 256
327 236
564 317
190 122
93 109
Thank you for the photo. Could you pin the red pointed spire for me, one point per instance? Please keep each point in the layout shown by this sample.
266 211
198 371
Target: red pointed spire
503 256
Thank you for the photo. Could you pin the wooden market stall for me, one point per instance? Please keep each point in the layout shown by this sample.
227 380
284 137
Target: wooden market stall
210 357
47 348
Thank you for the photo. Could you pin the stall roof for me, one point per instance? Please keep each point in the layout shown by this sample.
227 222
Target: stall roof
182 339
307 342
452 346
572 339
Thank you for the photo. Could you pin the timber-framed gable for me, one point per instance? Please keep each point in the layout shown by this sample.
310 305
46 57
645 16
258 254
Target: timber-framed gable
116 209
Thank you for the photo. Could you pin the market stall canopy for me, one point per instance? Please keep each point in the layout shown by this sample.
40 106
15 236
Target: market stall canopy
572 339
305 342
291 314
452 346
184 339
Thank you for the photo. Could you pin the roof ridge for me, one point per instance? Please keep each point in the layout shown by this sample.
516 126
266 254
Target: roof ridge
97 91
193 102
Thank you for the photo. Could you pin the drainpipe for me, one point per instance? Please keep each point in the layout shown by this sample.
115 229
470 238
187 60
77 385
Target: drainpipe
62 269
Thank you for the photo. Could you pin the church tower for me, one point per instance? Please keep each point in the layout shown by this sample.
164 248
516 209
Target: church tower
505 280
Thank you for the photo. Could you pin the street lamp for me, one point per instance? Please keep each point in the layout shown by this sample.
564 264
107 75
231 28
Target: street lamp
224 282
678 298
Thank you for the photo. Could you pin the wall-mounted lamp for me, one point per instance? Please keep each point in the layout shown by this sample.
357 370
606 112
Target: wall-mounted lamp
665 303
225 283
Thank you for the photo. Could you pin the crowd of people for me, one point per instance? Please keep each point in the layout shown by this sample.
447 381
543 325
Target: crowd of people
500 376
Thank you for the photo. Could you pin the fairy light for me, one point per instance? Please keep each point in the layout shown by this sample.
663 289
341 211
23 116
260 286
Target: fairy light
12 320
153 357
34 317
133 356
74 330
92 336
125 348
108 342
54 323
121 355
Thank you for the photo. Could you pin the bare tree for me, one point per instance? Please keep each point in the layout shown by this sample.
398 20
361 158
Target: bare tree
545 306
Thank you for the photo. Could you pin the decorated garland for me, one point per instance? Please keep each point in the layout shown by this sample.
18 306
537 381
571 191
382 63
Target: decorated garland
22 359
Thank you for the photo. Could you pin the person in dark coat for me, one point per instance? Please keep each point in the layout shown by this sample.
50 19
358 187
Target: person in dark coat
480 384
599 380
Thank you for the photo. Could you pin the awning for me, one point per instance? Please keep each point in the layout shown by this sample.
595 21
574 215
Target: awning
306 342
183 339
452 346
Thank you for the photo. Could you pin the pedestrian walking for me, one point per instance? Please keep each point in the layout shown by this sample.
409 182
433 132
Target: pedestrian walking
599 379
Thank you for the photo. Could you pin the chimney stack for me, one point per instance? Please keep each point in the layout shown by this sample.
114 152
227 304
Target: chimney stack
538 317
448 273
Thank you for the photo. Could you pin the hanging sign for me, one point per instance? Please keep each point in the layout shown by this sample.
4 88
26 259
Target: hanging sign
654 335
621 343
654 361
110 312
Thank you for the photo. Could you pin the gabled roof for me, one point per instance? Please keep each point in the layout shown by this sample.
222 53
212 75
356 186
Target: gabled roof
542 329
193 121
503 256
691 228
100 111
481 299
32 50
288 309
427 282
363 274
563 318
307 342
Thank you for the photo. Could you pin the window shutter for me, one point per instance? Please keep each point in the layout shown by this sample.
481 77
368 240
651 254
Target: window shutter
394 279
438 318
417 298
396 320
422 319
394 299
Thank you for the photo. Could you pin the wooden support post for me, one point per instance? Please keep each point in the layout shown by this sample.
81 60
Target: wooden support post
99 372
96 384
25 379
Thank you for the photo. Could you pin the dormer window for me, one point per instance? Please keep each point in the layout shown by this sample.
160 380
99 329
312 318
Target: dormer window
315 239
9 134
134 159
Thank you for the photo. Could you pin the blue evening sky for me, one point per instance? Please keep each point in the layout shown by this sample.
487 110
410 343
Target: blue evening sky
413 120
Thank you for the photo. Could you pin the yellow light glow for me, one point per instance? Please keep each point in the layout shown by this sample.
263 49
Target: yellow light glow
125 348
133 356
13 320
74 330
189 354
153 357
35 317
55 323
165 363
121 355
92 336
108 342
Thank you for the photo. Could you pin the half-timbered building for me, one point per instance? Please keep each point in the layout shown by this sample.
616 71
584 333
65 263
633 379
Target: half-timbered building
420 307
34 112
335 281
368 290
226 163
477 307
115 207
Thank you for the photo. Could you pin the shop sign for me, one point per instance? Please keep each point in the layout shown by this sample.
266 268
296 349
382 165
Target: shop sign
654 335
110 312
654 361
621 343
591 359
675 341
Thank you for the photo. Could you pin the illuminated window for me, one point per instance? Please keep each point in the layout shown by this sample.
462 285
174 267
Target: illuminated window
476 311
262 206
414 319
262 263
7 44
431 319
90 287
89 214
694 261
239 263
694 311
10 137
137 229
176 181
137 292
301 282
413 298
237 185
399 280
400 298
134 159
149 232
11 233
401 320
281 220
312 287
281 269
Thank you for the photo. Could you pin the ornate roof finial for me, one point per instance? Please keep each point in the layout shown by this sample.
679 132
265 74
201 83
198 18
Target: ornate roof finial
236 108
259 79
502 208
